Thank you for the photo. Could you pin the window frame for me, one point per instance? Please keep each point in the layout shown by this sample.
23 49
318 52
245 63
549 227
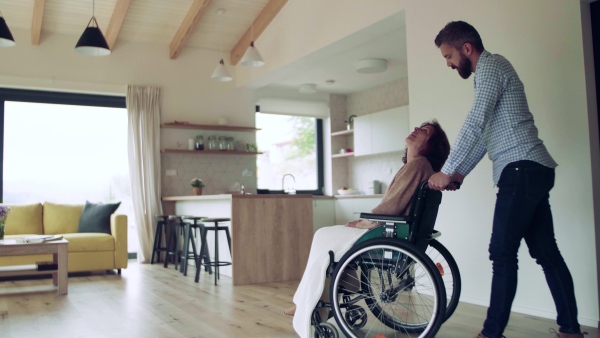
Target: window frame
51 97
320 159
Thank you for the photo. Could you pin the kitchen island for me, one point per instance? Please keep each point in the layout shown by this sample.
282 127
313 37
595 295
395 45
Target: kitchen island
270 234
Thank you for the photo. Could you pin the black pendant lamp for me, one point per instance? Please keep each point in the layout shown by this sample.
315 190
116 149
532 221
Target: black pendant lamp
6 38
92 42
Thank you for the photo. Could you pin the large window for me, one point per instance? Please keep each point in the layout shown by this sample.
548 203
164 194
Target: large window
66 149
290 145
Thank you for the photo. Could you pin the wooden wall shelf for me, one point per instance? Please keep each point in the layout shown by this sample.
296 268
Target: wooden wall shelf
206 127
343 155
343 132
208 152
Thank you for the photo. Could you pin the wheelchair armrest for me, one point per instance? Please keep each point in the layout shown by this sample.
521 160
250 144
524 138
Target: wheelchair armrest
385 218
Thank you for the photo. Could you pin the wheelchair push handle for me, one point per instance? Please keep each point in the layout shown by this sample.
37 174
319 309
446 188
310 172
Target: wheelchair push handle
425 184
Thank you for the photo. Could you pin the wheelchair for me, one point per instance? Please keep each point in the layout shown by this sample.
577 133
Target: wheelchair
396 280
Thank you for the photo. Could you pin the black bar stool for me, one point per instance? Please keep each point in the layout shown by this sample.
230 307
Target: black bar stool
175 226
161 229
190 231
216 228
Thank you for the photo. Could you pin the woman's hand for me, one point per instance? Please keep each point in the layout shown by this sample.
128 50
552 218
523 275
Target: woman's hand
439 181
362 224
353 224
457 180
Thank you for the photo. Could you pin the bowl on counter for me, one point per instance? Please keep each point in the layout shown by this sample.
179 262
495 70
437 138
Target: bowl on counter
347 191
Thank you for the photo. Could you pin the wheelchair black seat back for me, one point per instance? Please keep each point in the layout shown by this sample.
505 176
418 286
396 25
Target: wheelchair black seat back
406 282
417 226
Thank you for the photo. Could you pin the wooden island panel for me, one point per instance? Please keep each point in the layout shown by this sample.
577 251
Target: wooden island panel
271 237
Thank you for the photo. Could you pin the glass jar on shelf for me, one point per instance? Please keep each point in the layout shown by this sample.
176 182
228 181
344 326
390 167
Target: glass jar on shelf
230 144
199 142
212 142
222 143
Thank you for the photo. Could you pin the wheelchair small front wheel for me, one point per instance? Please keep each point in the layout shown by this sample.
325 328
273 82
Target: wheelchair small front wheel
399 285
356 316
325 330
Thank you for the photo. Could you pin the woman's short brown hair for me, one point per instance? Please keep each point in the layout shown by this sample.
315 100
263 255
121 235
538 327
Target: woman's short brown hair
436 149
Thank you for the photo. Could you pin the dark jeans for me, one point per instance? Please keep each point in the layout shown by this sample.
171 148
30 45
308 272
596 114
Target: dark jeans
522 211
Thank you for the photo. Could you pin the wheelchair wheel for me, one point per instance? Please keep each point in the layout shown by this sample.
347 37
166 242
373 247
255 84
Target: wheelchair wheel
327 331
400 286
448 269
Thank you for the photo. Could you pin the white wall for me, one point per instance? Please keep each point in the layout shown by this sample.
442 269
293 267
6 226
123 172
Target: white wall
543 40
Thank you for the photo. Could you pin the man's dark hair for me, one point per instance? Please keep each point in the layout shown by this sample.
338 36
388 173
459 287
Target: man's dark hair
457 33
436 149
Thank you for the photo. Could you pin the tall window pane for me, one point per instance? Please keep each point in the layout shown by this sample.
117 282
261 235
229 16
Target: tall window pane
67 154
289 146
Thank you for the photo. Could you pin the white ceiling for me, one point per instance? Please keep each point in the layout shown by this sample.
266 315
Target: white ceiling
152 21
157 21
384 40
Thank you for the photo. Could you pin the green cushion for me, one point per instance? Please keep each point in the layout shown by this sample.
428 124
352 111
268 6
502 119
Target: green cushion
96 217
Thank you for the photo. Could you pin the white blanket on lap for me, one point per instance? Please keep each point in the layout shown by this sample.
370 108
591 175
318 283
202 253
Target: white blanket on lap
337 238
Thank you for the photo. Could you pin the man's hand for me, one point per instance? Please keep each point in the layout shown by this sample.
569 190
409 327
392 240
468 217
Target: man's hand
439 181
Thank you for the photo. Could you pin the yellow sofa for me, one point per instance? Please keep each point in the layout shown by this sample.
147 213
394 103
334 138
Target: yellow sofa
87 251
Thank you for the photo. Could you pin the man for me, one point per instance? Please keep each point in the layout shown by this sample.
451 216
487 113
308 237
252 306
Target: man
500 124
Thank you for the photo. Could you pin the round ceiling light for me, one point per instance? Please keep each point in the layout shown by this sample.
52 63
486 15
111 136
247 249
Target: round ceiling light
308 88
370 66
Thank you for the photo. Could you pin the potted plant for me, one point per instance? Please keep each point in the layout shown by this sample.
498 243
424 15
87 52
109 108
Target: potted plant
197 186
4 211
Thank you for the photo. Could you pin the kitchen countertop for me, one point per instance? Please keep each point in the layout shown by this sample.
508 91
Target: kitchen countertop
358 196
230 196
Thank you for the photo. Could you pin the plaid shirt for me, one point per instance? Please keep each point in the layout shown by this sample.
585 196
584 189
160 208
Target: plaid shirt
499 122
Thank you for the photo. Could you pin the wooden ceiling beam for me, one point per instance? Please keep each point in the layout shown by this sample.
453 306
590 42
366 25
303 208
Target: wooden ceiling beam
262 21
36 23
187 27
116 21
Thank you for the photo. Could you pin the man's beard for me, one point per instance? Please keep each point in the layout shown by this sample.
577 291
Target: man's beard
464 66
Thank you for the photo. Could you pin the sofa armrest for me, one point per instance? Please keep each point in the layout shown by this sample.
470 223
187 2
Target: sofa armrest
118 228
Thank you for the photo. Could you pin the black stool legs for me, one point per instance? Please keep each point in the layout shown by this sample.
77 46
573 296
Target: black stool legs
161 228
216 263
190 230
173 240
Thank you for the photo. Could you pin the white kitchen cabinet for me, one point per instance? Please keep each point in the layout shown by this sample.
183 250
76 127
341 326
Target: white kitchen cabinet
381 132
343 210
349 209
362 135
323 213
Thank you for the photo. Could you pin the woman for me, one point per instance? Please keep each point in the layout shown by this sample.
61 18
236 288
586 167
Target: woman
427 149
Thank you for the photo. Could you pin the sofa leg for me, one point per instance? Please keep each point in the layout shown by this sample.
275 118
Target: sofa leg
119 271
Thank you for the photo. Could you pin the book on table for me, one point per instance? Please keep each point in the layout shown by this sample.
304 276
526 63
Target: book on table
41 238
31 239
48 265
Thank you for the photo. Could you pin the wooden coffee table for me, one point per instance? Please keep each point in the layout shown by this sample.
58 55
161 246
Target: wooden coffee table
59 251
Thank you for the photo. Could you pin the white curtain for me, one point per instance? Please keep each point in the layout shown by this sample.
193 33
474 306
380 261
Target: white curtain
143 142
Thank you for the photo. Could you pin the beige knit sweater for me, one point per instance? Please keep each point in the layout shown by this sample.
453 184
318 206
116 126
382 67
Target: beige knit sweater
397 199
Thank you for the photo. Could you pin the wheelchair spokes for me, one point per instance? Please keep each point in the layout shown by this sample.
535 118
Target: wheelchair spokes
398 286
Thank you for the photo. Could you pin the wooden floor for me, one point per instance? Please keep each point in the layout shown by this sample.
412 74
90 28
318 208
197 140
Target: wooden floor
151 301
